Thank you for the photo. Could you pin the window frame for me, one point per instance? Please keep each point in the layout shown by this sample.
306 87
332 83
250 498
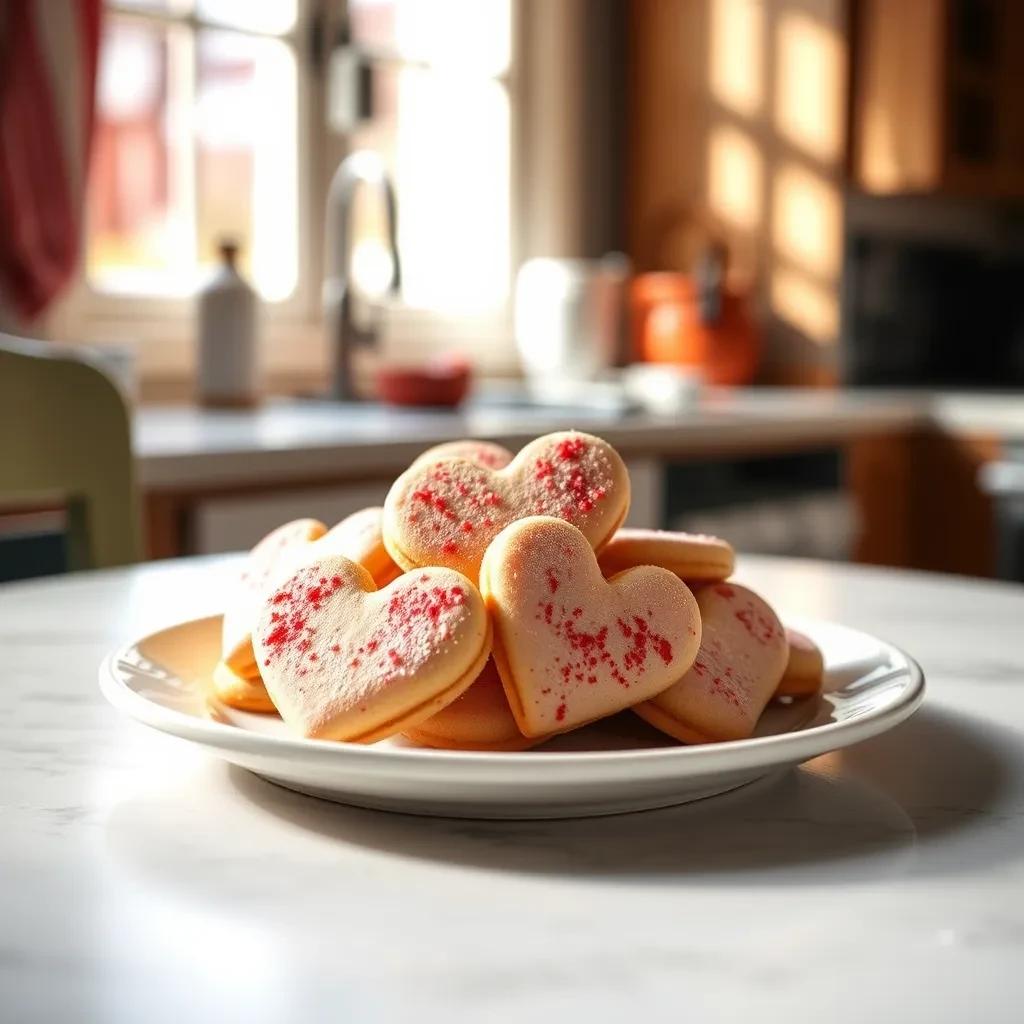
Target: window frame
150 315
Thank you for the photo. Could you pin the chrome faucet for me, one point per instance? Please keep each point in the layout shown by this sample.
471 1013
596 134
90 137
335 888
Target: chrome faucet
343 331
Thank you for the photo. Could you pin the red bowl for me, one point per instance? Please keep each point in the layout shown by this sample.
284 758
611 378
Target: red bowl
437 384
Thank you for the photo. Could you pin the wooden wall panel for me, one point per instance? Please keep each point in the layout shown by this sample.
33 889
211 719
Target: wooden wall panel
736 129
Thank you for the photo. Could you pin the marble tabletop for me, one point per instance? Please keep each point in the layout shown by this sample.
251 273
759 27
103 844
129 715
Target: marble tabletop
142 880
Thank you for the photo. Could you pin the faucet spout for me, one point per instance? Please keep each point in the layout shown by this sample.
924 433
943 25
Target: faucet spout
344 333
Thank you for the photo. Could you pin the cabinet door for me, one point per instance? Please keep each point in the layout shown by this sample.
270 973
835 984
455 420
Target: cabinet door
898 101
984 147
1012 106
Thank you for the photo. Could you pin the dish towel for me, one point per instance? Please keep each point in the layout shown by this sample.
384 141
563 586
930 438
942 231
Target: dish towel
48 54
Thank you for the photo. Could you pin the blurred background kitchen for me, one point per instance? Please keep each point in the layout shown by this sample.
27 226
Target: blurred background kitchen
771 249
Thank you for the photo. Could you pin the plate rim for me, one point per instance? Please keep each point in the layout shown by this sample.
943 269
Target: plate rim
779 748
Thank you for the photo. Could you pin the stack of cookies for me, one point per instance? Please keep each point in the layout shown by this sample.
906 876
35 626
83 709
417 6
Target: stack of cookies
496 601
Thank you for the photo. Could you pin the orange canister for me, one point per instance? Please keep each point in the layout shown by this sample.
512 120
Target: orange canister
667 326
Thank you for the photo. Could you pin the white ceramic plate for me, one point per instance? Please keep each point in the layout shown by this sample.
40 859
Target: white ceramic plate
619 764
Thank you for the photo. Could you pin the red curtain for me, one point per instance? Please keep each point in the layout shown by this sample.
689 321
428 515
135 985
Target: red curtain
48 55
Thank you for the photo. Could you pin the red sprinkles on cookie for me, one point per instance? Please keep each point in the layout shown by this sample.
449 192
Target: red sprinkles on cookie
418 617
585 651
447 512
571 646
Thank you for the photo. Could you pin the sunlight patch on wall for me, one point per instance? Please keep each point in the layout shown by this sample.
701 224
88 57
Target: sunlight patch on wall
807 305
879 168
737 54
807 220
809 90
735 175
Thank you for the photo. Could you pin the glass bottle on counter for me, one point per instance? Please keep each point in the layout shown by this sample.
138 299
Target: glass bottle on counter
228 323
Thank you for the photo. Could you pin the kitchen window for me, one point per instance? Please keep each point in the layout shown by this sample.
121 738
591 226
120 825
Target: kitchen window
196 138
439 92
217 118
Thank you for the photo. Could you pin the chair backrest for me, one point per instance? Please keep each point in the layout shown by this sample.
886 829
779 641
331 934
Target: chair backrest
65 433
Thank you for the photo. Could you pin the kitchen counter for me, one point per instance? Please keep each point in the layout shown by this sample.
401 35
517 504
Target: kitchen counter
141 879
999 415
219 480
301 440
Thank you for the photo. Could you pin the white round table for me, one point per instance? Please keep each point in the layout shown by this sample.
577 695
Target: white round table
142 880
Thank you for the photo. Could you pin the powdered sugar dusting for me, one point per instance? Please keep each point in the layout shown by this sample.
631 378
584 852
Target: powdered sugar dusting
483 453
267 556
329 639
448 511
357 537
271 558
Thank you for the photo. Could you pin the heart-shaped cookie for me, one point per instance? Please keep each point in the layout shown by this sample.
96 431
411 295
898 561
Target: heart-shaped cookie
264 565
343 660
447 512
693 557
742 655
478 720
805 669
359 538
572 647
483 453
246 693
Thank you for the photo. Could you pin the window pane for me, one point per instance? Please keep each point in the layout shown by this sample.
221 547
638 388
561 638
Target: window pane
139 228
247 153
447 139
192 143
468 34
273 16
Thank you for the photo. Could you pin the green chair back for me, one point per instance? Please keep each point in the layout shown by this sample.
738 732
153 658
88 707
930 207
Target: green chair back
65 434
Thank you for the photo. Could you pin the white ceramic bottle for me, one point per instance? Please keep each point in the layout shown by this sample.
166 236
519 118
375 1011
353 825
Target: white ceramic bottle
228 311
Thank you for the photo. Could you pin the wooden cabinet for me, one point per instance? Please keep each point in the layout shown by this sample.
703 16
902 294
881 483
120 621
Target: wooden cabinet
938 97
919 503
